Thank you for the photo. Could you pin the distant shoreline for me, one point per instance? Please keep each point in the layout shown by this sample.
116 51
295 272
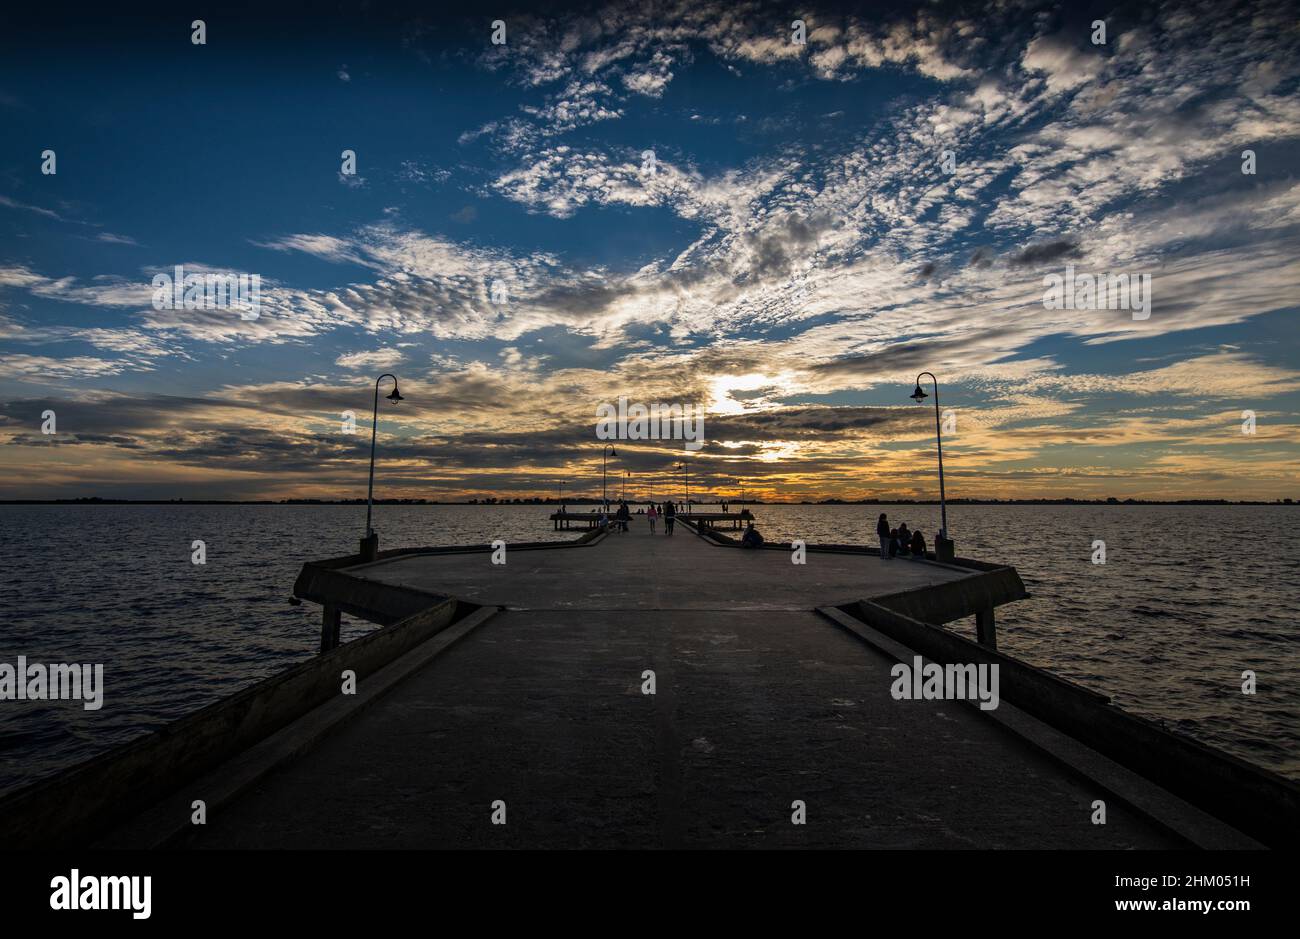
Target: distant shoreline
595 502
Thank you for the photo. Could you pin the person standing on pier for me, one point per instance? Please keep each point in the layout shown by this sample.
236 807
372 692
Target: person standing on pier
882 531
670 516
653 514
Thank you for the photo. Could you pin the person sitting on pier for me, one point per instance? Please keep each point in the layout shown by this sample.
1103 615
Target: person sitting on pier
882 532
918 544
602 521
751 538
653 514
893 542
904 539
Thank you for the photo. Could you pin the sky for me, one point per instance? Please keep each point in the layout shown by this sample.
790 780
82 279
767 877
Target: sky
678 203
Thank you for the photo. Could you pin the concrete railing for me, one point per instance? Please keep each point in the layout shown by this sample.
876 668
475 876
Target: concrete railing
78 804
1260 803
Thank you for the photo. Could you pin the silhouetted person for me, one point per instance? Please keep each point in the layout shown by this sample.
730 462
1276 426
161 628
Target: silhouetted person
918 545
882 532
751 538
904 538
670 516
652 513
623 516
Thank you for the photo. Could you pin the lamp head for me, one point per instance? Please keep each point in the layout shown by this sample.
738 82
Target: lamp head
395 396
919 395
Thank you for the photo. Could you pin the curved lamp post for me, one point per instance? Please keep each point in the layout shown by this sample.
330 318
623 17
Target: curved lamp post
918 396
686 476
374 425
623 497
606 452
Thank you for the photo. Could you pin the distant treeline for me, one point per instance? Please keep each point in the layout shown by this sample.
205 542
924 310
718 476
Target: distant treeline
494 500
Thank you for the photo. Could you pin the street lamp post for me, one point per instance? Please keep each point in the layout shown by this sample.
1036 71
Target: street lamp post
370 545
918 396
606 452
686 477
561 492
626 474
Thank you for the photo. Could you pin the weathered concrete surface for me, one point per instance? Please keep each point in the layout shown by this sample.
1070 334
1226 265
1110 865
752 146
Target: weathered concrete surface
758 703
630 571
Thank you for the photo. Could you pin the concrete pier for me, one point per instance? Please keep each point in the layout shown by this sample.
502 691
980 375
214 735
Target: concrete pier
523 685
734 521
759 702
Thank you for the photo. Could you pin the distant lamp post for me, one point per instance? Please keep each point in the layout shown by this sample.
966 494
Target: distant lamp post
918 396
686 477
626 474
370 545
605 453
561 492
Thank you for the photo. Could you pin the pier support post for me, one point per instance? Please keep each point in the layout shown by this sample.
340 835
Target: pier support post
370 547
943 549
331 623
986 633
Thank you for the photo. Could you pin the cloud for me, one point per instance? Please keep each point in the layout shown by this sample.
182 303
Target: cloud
110 238
40 367
826 267
376 359
1046 253
1066 65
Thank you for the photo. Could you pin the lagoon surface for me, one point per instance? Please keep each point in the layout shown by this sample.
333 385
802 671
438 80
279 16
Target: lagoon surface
1189 598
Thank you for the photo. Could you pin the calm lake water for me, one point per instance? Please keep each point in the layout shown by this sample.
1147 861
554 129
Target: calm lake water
1188 599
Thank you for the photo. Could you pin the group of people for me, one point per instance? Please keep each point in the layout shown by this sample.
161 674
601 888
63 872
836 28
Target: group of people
899 542
668 512
653 512
894 542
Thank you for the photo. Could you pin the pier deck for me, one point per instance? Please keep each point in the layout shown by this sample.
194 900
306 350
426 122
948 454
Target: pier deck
633 570
760 701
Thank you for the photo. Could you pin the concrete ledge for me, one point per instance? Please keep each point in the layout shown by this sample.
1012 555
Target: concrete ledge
356 560
986 585
169 821
74 806
1259 803
374 602
955 599
1175 815
337 582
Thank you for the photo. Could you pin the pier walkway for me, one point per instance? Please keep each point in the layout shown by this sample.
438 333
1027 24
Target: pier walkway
759 702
